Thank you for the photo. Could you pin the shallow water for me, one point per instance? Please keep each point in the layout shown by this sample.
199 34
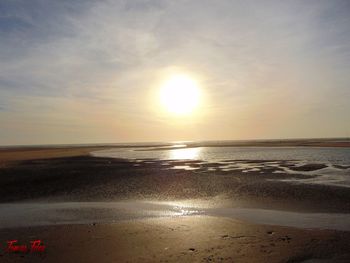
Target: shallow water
39 214
230 159
336 155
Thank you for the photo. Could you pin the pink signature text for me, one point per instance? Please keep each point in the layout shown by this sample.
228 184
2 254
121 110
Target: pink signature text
36 246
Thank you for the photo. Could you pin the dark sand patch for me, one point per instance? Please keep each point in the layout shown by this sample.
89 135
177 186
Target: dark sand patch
308 167
341 166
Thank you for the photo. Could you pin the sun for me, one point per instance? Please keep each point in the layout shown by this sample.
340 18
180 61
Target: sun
180 94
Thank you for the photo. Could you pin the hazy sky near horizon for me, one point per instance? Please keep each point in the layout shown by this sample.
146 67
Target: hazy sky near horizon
89 71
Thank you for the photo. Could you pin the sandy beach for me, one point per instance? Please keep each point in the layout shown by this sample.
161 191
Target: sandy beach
51 176
183 239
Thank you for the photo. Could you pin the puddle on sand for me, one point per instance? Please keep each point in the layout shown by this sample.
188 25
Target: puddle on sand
36 214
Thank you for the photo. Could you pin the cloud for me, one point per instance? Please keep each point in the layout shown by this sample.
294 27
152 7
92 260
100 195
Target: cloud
250 56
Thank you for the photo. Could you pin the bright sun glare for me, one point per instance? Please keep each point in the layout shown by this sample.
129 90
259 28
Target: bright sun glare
180 94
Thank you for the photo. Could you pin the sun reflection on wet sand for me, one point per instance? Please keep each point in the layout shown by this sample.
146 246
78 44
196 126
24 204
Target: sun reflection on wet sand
185 154
36 214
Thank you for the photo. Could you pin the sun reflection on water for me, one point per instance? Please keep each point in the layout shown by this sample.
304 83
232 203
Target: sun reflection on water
184 154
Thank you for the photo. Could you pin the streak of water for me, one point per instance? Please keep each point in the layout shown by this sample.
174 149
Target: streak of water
34 214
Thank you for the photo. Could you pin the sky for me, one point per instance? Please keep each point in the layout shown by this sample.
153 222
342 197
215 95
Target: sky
90 71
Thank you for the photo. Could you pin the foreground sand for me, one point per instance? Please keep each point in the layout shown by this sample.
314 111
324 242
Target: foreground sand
181 239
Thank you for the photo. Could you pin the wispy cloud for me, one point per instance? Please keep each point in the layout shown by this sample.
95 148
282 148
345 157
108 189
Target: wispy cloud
104 58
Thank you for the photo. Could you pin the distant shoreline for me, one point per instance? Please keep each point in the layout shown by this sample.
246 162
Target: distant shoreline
313 142
30 152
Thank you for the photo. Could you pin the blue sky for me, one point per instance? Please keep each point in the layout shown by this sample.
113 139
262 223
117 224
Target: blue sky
89 71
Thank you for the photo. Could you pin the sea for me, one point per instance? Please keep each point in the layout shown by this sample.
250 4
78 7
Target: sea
334 155
334 172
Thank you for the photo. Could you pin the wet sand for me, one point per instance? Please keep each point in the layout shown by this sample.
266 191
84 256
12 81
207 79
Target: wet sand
40 176
60 213
87 178
183 239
